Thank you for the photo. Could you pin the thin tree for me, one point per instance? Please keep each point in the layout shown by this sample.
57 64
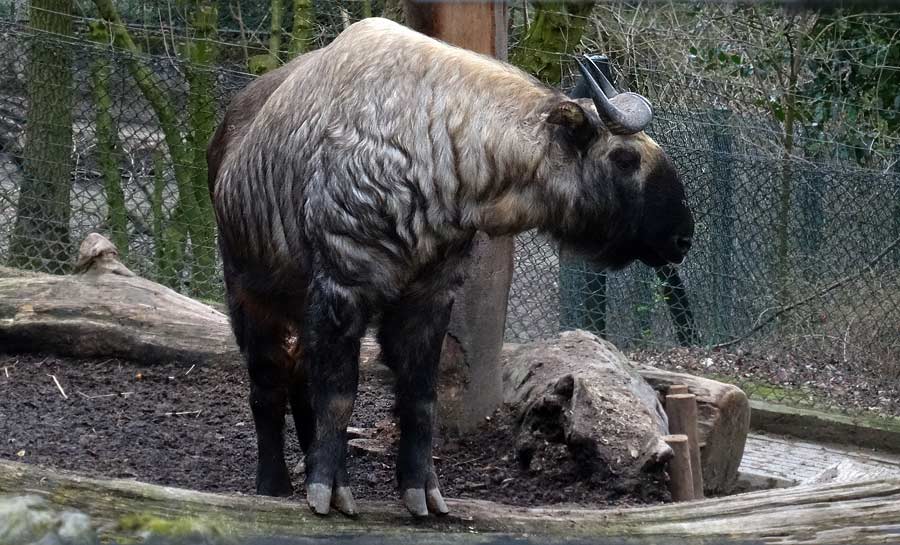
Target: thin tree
41 238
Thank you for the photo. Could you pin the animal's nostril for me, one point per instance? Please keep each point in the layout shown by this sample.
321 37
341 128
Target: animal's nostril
683 243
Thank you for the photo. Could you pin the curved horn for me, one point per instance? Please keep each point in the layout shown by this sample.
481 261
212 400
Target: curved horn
623 113
600 77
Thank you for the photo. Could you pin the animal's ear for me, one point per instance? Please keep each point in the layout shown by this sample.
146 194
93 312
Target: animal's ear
571 116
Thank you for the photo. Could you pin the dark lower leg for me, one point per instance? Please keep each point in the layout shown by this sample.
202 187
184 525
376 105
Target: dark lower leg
331 346
411 337
261 346
268 406
302 411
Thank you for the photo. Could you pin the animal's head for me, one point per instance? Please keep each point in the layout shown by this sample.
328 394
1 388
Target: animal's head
632 203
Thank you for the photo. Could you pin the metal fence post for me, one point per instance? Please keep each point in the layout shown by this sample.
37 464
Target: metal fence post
722 217
812 217
582 288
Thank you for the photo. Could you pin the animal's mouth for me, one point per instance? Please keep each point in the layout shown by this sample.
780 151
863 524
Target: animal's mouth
660 258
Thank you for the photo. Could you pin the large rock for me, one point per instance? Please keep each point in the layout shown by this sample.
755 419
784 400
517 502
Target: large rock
30 520
580 390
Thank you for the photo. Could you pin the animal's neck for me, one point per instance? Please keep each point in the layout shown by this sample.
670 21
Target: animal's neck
531 187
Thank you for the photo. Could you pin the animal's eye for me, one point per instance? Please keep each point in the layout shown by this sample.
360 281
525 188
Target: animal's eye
625 159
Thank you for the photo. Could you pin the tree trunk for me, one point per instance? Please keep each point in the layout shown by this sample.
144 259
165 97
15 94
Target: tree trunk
859 513
108 153
782 226
172 234
555 31
40 238
202 52
276 12
302 27
395 10
191 219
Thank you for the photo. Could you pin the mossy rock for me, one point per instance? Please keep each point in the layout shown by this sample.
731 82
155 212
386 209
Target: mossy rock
31 519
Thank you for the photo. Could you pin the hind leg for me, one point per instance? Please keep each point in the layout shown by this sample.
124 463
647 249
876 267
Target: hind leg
261 343
301 408
330 335
411 337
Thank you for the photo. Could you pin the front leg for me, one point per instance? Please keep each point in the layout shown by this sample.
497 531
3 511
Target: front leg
411 337
333 325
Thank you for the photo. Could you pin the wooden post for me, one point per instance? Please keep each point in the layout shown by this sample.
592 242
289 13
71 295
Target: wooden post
681 483
682 412
677 389
471 385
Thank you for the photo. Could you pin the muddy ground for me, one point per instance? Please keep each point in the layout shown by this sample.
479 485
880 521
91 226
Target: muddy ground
191 427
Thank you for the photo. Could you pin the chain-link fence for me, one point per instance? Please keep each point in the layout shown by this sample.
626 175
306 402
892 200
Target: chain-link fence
792 289
793 278
821 329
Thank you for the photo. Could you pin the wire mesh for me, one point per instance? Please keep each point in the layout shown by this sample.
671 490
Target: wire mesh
792 289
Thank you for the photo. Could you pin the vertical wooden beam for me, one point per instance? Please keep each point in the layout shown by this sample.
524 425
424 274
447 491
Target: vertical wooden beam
681 482
477 26
470 387
682 412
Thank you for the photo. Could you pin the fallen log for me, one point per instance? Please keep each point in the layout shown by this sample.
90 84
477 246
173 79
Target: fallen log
106 310
723 420
581 391
860 513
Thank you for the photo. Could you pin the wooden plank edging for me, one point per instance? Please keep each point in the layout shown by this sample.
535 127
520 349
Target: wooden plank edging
859 513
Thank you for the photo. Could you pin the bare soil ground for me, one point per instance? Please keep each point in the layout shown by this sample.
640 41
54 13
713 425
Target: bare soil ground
191 427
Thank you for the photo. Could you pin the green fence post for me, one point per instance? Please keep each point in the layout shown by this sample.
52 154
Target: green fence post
896 175
675 295
812 218
582 287
582 294
722 217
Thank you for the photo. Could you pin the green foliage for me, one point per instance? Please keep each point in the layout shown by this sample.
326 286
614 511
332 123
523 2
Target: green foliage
847 86
721 60
855 91
108 152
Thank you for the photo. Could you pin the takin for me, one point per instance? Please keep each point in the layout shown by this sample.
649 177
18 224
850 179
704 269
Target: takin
347 187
